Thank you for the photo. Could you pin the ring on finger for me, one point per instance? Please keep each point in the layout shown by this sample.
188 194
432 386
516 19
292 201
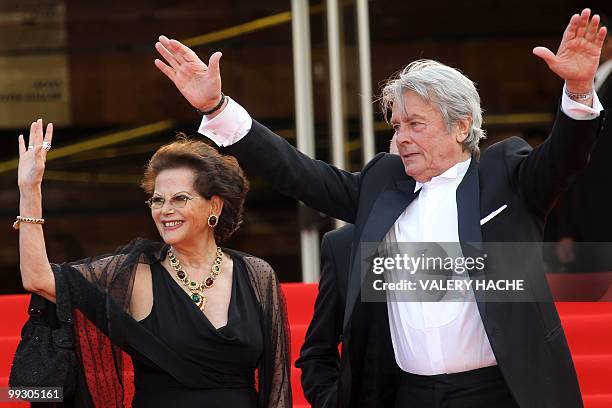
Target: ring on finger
46 146
30 147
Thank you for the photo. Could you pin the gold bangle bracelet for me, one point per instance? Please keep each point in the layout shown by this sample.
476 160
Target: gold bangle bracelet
29 220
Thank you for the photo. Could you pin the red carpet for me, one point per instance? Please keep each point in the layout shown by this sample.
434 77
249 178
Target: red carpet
588 327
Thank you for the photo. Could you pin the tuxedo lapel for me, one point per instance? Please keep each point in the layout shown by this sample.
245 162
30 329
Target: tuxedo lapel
385 211
468 220
468 206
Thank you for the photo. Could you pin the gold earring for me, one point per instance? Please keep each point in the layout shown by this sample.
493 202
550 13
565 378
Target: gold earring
213 220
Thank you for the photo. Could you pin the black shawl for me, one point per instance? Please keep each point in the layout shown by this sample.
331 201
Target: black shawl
99 290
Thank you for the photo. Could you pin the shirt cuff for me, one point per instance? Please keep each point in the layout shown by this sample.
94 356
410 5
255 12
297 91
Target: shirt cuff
229 126
579 111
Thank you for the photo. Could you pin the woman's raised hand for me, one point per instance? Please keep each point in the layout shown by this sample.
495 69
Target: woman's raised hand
32 157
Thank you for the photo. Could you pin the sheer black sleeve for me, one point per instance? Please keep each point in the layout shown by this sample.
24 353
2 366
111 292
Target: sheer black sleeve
98 290
275 365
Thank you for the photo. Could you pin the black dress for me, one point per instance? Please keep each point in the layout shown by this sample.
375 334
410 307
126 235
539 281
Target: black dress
228 356
209 365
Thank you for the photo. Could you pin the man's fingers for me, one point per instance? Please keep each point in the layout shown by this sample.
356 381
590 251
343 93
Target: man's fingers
213 63
547 55
21 144
583 23
592 28
182 52
601 37
179 51
603 31
169 72
173 47
167 55
166 42
570 31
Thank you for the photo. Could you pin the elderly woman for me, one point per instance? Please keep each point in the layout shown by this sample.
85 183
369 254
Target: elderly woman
199 321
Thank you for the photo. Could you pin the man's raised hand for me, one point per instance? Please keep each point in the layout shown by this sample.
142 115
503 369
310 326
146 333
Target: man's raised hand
200 84
578 55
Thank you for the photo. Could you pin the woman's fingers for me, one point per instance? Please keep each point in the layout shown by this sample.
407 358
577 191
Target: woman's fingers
32 136
21 144
49 133
37 141
46 144
39 132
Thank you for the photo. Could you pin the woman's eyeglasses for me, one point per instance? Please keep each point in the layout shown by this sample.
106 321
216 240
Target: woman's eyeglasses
176 201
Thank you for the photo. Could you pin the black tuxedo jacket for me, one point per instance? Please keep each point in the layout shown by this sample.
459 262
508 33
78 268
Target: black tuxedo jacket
319 358
584 210
527 338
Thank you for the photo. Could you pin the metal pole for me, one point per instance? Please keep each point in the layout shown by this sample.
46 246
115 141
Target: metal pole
336 85
304 118
365 80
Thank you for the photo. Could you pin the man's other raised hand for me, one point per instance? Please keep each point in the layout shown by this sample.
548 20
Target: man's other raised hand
199 83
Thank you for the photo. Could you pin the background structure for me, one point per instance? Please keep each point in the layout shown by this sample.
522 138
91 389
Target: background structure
88 67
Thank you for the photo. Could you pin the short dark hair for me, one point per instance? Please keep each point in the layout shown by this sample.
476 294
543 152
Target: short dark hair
215 174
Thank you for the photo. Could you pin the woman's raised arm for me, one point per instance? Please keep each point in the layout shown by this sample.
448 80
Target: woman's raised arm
36 273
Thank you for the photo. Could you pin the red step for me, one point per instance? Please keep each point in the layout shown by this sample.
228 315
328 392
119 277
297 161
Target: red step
594 373
14 313
298 334
597 401
583 308
300 301
589 333
296 387
8 345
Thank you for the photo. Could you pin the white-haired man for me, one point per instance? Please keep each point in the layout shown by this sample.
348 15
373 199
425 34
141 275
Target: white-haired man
440 189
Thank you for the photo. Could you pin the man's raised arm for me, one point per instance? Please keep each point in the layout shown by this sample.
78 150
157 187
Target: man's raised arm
319 185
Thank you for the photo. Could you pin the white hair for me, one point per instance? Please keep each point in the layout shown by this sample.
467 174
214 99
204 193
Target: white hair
451 92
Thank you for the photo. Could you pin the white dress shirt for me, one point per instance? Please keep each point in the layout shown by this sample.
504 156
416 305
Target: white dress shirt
436 337
428 338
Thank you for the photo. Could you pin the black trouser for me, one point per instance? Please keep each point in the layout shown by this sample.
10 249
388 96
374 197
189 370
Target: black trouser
480 388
